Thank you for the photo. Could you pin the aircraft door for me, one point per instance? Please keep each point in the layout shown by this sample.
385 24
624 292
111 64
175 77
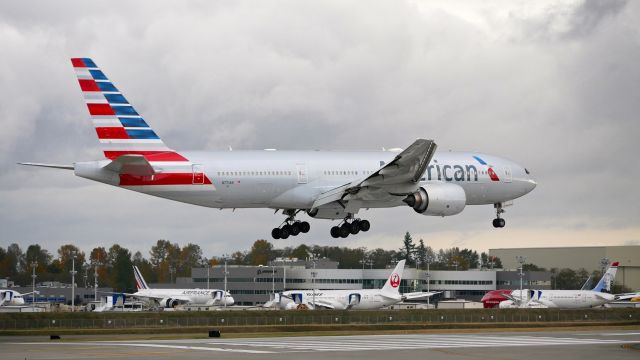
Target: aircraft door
217 295
507 175
198 174
354 299
301 171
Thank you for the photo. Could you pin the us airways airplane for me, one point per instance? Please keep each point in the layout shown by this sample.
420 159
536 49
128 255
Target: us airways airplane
324 184
565 299
170 298
349 299
13 298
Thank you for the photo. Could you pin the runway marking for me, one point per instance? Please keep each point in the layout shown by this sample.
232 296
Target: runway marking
622 334
165 346
351 343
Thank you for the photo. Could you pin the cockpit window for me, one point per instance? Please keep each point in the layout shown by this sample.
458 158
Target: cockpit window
527 171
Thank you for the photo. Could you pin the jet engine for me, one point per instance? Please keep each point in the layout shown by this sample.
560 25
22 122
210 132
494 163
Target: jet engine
438 199
169 302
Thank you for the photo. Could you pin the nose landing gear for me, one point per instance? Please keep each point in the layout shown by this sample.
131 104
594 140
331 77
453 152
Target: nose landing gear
498 222
291 226
350 226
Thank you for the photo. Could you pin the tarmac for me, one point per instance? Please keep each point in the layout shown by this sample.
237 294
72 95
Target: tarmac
565 345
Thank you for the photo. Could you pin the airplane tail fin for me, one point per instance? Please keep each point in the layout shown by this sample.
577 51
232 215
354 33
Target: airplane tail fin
140 283
604 285
120 129
393 282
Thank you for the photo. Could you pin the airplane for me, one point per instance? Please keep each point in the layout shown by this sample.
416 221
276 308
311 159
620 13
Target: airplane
565 299
13 298
330 185
170 298
348 299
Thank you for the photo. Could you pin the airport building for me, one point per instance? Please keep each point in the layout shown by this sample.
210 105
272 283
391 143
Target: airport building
586 257
59 293
253 285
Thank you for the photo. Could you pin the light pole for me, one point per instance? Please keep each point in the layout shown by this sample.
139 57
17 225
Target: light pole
313 280
428 281
284 275
208 268
521 260
73 282
225 280
34 264
273 279
172 271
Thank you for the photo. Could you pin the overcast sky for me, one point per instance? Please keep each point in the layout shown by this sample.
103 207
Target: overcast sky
553 85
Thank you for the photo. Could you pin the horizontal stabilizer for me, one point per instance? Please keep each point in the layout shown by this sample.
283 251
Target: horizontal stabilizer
53 166
131 164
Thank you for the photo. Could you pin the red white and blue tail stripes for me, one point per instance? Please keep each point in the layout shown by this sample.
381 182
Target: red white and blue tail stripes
122 131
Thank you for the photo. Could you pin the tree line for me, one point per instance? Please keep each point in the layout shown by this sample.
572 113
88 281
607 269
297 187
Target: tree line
166 261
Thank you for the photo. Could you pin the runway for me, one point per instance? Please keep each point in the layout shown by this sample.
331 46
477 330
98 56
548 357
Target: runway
520 345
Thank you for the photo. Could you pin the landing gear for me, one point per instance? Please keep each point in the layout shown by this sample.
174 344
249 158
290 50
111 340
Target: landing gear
291 226
350 226
498 222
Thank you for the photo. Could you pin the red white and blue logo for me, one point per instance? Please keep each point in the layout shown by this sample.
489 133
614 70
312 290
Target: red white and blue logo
490 171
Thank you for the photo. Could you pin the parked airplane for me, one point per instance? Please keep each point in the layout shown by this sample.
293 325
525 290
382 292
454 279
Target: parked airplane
566 299
325 185
170 298
13 298
349 299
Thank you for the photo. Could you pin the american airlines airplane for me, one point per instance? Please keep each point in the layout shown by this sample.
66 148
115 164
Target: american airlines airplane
325 184
170 298
13 298
348 299
565 299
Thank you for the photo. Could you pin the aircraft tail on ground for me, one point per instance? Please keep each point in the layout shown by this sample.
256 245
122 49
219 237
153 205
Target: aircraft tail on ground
140 283
604 285
393 282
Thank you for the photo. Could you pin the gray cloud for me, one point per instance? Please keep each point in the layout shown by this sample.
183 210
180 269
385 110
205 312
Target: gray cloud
554 87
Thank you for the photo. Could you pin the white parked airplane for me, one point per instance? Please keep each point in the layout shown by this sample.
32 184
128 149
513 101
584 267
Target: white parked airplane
13 298
349 299
565 299
324 184
170 298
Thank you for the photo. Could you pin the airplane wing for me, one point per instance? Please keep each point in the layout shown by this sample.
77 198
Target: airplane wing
397 178
418 295
512 298
628 296
322 304
131 164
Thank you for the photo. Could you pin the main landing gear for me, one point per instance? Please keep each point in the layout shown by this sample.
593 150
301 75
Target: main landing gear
350 226
498 222
291 226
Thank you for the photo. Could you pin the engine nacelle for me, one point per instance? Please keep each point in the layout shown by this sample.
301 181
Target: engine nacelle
438 199
169 302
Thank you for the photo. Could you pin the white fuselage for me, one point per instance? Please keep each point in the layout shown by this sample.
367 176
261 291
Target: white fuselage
190 296
366 299
11 298
294 179
565 299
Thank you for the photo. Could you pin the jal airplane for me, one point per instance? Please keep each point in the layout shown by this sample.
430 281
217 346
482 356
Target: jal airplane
348 299
331 185
565 299
170 298
13 298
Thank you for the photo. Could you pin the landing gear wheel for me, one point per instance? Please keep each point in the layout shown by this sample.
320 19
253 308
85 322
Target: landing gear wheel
275 233
294 229
499 223
335 232
365 225
284 232
344 230
354 227
304 227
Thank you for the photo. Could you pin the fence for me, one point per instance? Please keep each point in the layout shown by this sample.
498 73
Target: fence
294 318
